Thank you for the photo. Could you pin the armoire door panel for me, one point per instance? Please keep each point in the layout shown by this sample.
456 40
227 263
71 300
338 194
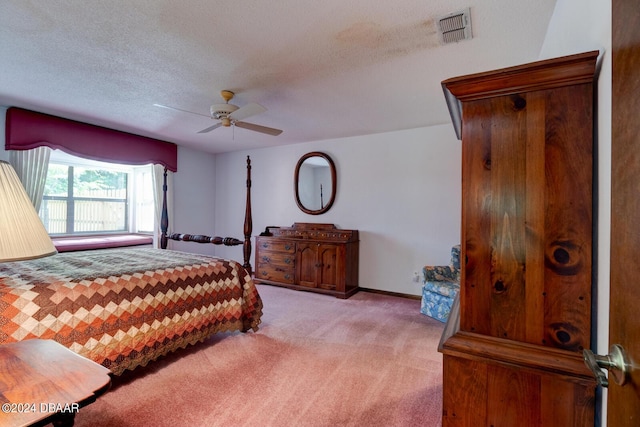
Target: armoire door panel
493 393
522 194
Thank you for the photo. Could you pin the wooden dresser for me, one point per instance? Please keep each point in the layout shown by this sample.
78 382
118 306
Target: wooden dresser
306 256
527 224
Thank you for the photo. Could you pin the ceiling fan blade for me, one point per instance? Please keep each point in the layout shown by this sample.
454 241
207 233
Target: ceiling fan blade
258 128
180 109
246 111
210 128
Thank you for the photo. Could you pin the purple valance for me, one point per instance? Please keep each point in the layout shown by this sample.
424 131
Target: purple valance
27 129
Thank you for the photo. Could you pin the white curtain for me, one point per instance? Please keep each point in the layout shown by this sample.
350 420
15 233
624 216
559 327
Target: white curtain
158 181
31 167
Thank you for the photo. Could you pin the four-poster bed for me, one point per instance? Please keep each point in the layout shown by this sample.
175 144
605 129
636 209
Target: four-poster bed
125 307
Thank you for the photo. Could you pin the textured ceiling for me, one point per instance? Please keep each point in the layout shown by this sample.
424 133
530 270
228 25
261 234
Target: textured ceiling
323 69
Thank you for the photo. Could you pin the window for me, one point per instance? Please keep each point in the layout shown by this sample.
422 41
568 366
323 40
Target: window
88 197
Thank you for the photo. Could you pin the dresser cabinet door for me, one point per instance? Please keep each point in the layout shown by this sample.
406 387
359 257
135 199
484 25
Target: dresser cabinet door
328 273
307 261
319 266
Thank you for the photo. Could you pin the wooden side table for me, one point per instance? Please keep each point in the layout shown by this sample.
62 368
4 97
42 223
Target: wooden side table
42 382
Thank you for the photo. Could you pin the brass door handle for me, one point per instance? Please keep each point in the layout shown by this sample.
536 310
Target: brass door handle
616 362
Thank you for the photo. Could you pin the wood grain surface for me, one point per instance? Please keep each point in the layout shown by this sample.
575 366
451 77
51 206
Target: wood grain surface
39 377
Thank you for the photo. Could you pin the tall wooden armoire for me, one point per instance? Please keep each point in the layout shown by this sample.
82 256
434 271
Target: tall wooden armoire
527 246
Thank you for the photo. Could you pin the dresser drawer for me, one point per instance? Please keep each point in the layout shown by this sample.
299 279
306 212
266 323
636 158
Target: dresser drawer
277 259
276 273
276 245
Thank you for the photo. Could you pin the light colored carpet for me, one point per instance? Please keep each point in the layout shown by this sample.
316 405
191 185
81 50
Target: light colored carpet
370 360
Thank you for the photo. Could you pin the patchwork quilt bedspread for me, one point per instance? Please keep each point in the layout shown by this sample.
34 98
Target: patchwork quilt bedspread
125 307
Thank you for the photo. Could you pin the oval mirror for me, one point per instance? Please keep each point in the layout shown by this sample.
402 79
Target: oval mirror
315 183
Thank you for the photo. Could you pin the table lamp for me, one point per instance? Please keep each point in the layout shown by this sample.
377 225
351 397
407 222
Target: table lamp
22 234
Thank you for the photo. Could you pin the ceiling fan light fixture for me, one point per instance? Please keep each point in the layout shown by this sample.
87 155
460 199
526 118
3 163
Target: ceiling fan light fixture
218 111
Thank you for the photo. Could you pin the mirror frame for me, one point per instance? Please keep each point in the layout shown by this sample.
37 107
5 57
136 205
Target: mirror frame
334 183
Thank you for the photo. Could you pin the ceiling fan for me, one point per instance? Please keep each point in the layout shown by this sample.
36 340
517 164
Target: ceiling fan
232 115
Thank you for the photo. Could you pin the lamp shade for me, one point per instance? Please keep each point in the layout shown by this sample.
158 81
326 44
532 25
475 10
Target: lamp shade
22 234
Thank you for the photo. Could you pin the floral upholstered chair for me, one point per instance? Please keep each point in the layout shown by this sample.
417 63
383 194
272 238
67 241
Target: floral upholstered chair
441 285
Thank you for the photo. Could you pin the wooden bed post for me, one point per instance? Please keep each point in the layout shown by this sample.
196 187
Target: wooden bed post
164 219
248 223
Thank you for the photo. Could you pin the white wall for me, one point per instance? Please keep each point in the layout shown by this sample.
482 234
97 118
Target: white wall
194 199
579 26
401 190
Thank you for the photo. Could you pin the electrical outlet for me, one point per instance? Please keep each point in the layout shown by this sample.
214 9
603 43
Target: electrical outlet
416 277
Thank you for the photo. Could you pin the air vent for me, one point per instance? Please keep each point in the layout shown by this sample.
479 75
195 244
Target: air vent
455 27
